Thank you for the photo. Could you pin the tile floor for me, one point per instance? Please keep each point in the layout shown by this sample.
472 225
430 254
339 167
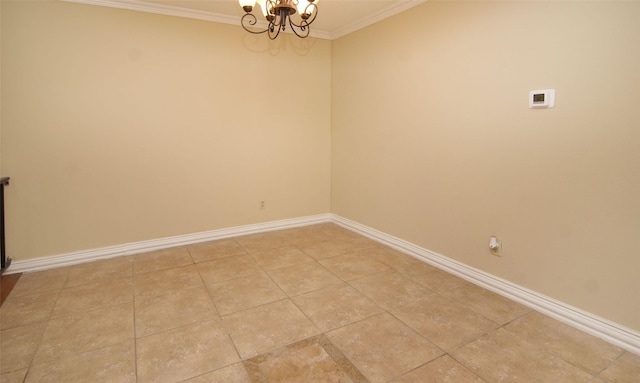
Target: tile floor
311 304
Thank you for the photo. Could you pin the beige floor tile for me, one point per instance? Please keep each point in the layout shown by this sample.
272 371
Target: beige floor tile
333 229
18 346
111 364
488 304
175 309
341 360
442 370
19 311
625 369
94 295
166 281
336 306
390 257
184 353
408 265
161 259
81 332
207 251
40 281
439 281
121 267
280 257
268 327
235 373
66 324
382 347
501 356
340 233
337 245
443 322
303 278
305 361
429 276
390 289
576 347
244 293
14 376
354 265
304 234
262 241
223 269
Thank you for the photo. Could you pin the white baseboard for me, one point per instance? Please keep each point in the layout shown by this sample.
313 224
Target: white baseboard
582 320
587 322
78 257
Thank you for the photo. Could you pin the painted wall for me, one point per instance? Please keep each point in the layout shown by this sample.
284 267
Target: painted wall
120 126
433 141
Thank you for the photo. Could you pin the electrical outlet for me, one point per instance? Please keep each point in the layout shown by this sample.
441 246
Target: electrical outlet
495 246
263 205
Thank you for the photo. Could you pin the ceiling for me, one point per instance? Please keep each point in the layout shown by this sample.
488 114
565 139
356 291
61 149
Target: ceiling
336 18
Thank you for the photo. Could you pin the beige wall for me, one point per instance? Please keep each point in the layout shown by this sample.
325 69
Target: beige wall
121 126
433 141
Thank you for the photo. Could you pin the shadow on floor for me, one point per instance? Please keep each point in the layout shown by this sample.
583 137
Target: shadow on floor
6 285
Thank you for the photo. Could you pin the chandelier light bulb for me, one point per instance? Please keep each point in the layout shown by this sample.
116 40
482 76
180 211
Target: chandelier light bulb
247 5
302 8
264 7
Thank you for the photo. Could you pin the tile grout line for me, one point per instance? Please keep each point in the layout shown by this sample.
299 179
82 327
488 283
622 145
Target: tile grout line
346 366
224 327
341 360
322 334
135 330
44 331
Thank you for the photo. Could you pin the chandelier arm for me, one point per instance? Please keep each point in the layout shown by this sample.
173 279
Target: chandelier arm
312 11
251 20
270 6
273 30
303 27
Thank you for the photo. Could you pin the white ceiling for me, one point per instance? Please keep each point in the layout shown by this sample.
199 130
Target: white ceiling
336 18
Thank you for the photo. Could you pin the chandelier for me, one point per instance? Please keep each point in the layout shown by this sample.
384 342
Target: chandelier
279 14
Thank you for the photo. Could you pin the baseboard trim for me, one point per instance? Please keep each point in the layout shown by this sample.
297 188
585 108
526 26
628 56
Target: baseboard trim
611 332
585 321
78 257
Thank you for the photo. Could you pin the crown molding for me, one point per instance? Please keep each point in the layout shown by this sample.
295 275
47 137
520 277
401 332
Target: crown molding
161 9
169 10
374 18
